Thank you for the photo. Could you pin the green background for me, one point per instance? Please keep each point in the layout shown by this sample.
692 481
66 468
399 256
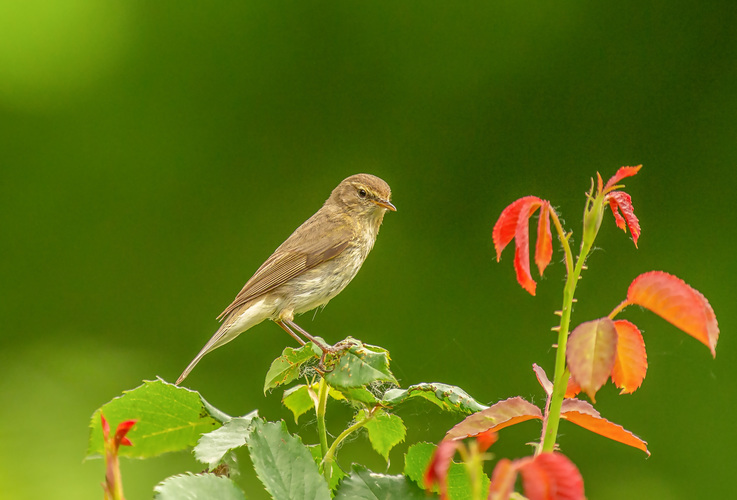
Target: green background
154 153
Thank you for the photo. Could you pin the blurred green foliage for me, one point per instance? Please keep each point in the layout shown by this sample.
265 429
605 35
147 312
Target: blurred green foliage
153 154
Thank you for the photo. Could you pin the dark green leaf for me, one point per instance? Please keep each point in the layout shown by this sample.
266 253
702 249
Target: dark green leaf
362 484
213 446
447 397
355 395
385 431
287 367
284 464
360 365
170 418
198 487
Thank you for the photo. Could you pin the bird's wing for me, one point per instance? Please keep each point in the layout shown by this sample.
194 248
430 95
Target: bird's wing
287 263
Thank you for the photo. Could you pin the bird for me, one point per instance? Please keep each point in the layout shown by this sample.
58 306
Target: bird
313 265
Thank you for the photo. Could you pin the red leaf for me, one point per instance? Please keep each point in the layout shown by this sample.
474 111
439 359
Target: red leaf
621 174
544 246
437 470
502 480
486 439
105 427
590 354
630 362
506 226
676 302
123 428
514 223
588 418
551 476
572 389
621 201
502 414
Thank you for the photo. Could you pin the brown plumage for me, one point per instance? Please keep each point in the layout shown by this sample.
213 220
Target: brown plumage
312 266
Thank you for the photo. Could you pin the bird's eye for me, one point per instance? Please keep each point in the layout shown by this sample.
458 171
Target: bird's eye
362 193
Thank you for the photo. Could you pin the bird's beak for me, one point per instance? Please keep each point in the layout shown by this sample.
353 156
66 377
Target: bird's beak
385 204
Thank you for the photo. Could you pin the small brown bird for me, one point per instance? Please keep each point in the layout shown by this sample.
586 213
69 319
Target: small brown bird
312 266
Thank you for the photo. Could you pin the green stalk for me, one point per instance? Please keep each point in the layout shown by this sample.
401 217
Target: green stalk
320 410
328 457
561 375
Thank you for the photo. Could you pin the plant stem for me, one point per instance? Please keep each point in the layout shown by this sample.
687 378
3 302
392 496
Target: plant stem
320 410
561 375
328 457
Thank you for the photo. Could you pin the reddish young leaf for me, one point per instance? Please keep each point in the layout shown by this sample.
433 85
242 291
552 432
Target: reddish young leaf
630 362
619 201
590 354
506 226
551 476
502 480
584 415
544 245
514 223
437 470
676 302
486 439
572 389
621 174
498 416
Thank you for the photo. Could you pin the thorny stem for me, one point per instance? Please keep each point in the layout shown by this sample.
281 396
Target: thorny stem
561 375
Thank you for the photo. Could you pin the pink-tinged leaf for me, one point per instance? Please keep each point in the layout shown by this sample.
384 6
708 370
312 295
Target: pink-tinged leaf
572 389
437 470
502 480
542 377
498 416
603 427
590 354
544 245
123 428
630 362
580 406
551 476
621 174
506 226
619 201
676 302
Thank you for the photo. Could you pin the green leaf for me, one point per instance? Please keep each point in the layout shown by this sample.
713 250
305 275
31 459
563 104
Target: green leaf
416 461
170 418
286 367
355 395
385 431
214 446
198 487
362 484
361 365
447 397
284 464
338 473
298 400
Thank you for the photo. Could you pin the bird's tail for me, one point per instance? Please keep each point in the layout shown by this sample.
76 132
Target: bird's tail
236 323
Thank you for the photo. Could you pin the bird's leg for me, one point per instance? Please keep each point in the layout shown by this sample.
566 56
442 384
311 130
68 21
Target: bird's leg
290 332
323 346
288 324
